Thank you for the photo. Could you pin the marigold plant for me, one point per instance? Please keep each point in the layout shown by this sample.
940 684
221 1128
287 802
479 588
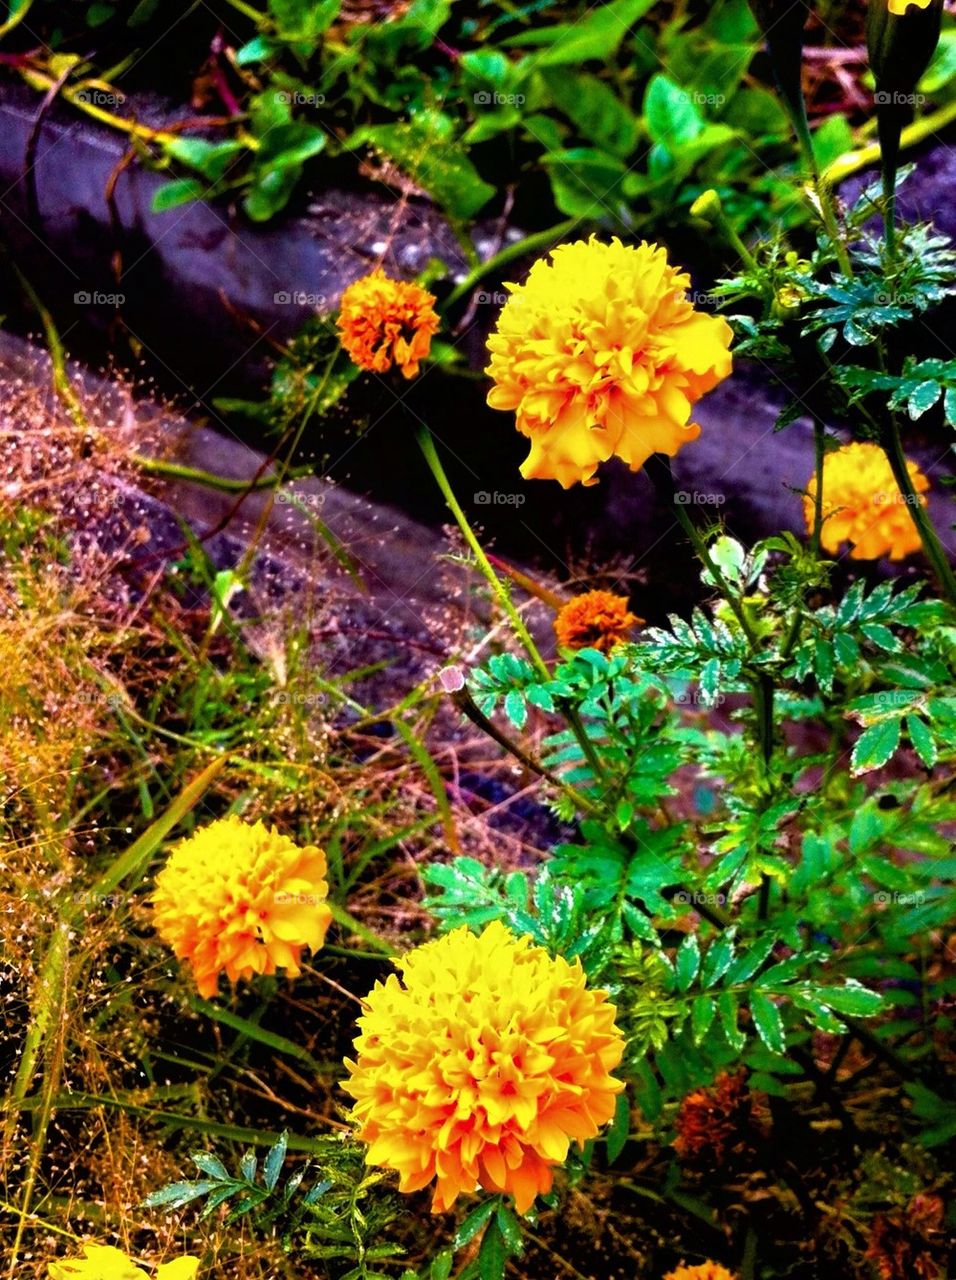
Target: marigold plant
595 620
384 322
600 354
862 504
104 1262
481 1064
240 899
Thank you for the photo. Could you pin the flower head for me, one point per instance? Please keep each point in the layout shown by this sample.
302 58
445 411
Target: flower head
384 322
594 620
702 1271
103 1262
601 355
239 898
862 504
715 1123
481 1065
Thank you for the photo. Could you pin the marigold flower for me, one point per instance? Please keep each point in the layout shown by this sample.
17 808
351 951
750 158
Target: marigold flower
715 1123
384 321
103 1262
594 620
480 1066
702 1271
862 504
239 898
600 354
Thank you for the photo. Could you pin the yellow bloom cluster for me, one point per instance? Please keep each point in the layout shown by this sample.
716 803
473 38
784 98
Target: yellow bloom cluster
384 321
862 504
240 899
481 1065
601 355
594 620
103 1262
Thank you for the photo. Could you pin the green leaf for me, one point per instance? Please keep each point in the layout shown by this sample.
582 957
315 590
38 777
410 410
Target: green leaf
173 194
272 1165
719 957
853 999
671 115
702 1014
727 1008
474 1222
596 36
595 110
924 744
768 1022
493 1253
875 745
424 148
619 1127
688 961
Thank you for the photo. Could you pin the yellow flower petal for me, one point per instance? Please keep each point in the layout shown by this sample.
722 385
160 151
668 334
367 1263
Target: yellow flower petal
451 1081
601 355
863 506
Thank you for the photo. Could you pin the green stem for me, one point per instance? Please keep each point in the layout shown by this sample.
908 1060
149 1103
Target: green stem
427 445
707 560
527 246
935 553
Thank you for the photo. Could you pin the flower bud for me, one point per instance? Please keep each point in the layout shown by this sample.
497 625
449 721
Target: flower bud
901 37
707 206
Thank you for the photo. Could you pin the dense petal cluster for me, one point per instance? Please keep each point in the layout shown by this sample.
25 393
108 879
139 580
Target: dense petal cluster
601 355
594 620
715 1123
862 504
481 1065
384 322
240 899
701 1271
103 1262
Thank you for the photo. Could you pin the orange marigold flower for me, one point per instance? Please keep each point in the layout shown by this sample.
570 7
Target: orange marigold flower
594 620
601 355
481 1065
862 504
103 1262
240 899
714 1123
384 322
702 1271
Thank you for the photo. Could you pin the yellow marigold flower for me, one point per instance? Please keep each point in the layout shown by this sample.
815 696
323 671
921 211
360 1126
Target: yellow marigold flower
702 1271
900 6
601 355
862 504
594 620
384 321
240 899
481 1065
103 1262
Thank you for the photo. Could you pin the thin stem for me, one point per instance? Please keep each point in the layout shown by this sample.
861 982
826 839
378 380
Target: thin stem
427 445
703 554
540 239
935 553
